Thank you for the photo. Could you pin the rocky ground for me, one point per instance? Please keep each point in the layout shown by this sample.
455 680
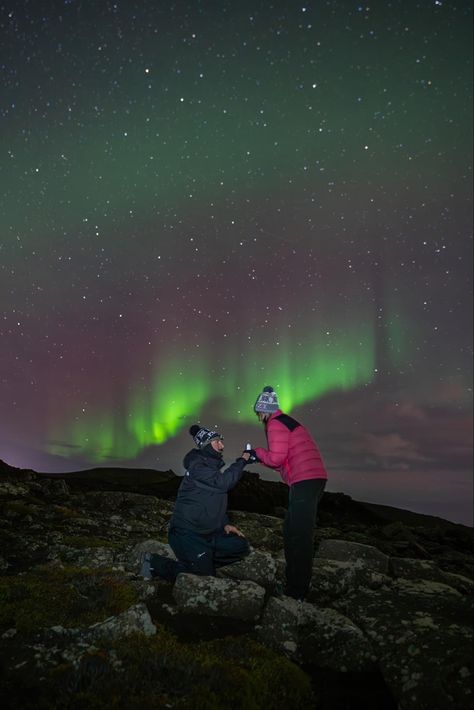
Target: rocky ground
388 623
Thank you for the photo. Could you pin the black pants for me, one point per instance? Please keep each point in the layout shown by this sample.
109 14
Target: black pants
298 534
199 554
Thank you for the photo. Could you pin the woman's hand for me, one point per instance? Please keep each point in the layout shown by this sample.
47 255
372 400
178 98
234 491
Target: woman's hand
232 529
250 456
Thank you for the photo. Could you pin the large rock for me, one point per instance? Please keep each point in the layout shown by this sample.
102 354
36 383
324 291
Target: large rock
258 567
52 488
262 531
421 634
136 619
57 645
334 578
315 636
218 597
409 568
345 551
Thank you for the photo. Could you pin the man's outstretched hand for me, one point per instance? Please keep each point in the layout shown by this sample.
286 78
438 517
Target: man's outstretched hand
232 529
253 458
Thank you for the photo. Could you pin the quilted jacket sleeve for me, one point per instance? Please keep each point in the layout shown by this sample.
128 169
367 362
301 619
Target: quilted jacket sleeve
278 436
213 480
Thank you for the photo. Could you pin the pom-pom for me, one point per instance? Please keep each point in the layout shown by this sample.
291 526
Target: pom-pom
268 388
194 429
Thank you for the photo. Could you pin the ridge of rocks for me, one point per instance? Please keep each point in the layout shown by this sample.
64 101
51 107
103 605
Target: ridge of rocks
388 601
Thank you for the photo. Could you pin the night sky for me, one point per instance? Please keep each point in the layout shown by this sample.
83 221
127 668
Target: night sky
202 198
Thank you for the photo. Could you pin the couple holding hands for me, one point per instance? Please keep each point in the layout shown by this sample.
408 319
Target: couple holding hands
200 533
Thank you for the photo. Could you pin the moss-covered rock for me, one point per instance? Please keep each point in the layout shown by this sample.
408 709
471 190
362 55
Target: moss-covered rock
69 597
151 672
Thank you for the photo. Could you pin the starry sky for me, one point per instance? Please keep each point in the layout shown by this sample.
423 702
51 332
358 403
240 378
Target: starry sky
202 198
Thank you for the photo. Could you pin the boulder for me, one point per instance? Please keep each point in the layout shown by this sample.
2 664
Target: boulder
154 546
315 636
136 619
55 487
262 531
258 567
352 552
421 634
409 568
218 597
334 578
57 645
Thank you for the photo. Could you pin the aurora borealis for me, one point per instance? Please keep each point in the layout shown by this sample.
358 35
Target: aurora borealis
202 198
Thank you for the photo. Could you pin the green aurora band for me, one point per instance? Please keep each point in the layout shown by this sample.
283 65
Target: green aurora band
180 389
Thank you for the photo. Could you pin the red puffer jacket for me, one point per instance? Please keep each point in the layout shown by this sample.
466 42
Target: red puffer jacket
291 450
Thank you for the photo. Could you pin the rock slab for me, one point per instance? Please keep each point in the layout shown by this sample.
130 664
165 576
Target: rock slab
218 597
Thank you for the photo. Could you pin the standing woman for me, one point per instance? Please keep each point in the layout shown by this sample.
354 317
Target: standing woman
295 455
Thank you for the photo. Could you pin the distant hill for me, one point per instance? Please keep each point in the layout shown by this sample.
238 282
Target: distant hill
252 494
162 484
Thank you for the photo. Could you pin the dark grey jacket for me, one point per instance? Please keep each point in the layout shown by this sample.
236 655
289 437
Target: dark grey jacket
201 503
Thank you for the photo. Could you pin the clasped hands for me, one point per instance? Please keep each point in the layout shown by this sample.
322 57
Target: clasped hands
250 456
